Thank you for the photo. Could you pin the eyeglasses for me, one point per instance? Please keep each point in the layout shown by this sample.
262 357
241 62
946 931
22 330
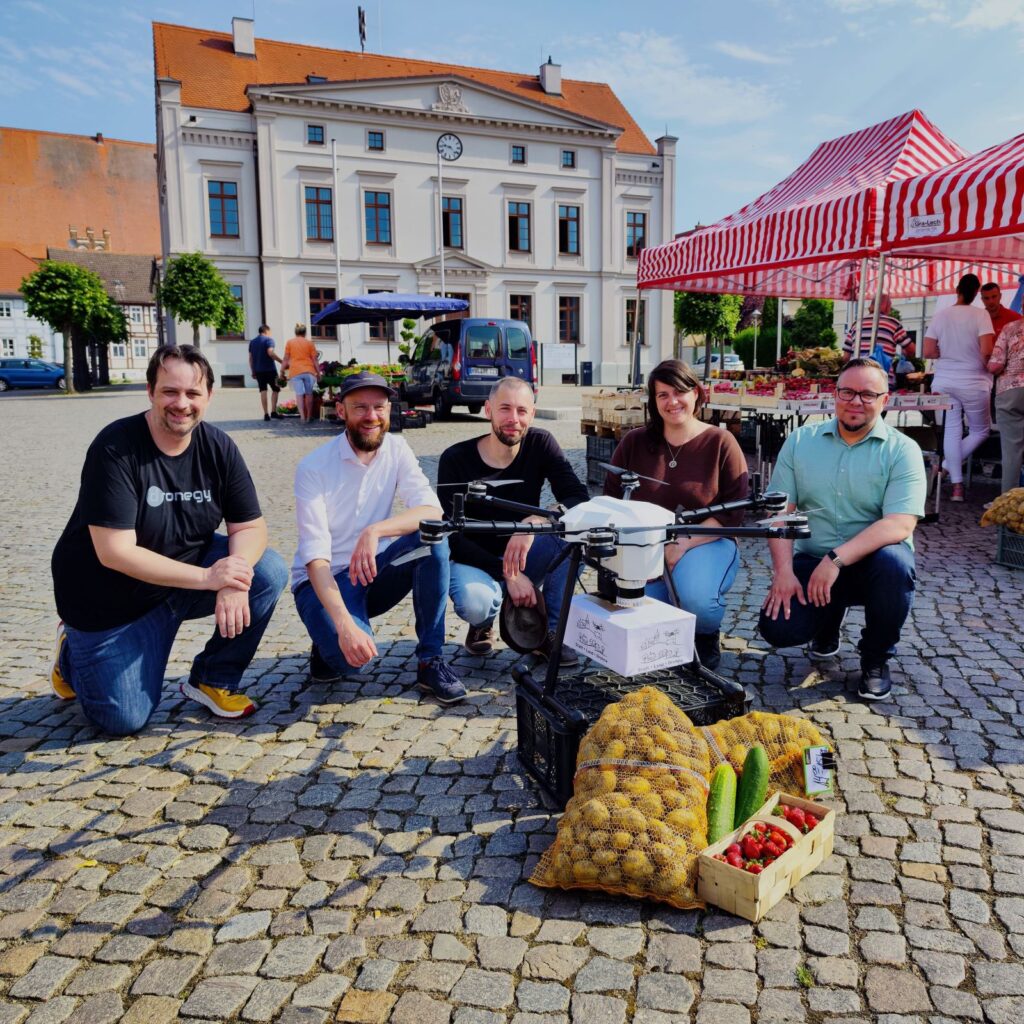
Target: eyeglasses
864 397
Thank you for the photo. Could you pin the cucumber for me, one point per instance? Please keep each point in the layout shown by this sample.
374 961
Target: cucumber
721 802
753 786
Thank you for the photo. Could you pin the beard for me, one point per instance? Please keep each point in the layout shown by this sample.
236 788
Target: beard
180 429
363 443
507 440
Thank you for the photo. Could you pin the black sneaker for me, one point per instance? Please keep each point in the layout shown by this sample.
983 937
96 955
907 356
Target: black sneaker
480 639
708 649
875 682
437 678
266 417
319 670
824 646
568 658
276 416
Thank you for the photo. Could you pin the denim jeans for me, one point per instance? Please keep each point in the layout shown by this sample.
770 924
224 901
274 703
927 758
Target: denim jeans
118 674
477 595
702 578
883 583
426 577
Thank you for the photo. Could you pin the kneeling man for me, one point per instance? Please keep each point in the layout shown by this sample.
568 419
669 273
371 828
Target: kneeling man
863 484
344 572
482 565
140 555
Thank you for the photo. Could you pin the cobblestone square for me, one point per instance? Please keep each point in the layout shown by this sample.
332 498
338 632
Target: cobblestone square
353 852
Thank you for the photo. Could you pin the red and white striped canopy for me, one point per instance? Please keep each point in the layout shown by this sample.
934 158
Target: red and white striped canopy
805 238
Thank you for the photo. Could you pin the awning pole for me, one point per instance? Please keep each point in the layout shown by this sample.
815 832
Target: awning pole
879 291
778 332
859 310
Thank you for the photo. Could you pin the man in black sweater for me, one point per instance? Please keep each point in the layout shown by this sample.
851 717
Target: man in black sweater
481 565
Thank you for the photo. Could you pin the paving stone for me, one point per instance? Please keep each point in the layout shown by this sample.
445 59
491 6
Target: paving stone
956 1004
267 998
219 998
739 955
166 976
238 957
892 991
102 978
500 953
618 943
602 974
324 991
835 971
17 960
47 977
665 992
434 977
722 1013
780 1006
542 997
492 921
294 956
677 954
999 979
366 1007
484 988
883 948
777 967
588 1009
376 975
553 962
102 1008
244 926
834 1000
826 942
417 1008
447 947
560 931
152 1010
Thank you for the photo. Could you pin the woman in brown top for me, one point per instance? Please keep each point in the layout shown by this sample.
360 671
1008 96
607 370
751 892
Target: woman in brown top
701 465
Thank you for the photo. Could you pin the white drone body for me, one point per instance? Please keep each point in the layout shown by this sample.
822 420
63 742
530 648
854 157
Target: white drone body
642 556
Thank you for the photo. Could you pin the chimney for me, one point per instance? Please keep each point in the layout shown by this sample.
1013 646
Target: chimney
91 235
243 31
106 240
99 138
551 78
72 237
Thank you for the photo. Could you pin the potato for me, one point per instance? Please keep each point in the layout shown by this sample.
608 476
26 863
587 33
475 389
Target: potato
596 814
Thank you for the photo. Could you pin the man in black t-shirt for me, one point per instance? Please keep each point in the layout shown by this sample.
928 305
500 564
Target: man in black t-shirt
261 365
140 555
481 566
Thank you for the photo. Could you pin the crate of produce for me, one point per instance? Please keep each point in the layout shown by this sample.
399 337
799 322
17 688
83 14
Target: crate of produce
762 396
621 401
629 417
1010 548
591 400
751 895
601 448
548 742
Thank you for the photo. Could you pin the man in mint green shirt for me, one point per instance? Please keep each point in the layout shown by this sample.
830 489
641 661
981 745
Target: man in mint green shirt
863 484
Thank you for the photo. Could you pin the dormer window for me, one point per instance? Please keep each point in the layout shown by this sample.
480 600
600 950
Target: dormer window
312 79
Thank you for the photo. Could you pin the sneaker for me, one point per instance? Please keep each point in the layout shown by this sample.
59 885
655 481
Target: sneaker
824 646
568 658
266 417
875 682
480 639
958 493
437 678
708 648
319 670
276 416
223 703
61 687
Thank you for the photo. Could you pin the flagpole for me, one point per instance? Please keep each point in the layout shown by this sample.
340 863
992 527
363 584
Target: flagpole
440 219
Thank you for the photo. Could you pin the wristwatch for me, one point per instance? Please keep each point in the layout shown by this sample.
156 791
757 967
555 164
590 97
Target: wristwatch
834 558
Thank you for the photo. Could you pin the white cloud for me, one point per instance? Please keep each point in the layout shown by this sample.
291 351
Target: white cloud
993 14
75 84
747 53
655 79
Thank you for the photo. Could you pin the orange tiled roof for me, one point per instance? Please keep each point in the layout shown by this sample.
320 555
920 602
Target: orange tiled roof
14 267
50 181
213 77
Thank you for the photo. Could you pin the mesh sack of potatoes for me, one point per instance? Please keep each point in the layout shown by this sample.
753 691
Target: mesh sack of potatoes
782 736
637 818
1007 510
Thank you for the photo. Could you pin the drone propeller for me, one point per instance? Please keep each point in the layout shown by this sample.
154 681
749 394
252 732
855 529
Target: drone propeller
619 471
411 556
482 483
797 517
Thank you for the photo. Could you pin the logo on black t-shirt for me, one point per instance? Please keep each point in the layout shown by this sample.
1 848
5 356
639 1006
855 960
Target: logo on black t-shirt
155 497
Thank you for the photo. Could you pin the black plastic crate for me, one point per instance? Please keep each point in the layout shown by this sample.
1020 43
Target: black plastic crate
1010 548
548 743
596 473
600 448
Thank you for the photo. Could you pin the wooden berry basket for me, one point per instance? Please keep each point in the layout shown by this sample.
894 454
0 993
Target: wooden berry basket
752 896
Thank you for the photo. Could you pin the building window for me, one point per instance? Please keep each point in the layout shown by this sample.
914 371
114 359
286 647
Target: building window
451 221
568 319
135 314
378 217
518 155
236 294
519 227
569 159
520 307
319 216
380 330
375 141
568 230
223 209
631 324
6 346
6 308
118 350
140 350
466 297
315 134
320 298
636 233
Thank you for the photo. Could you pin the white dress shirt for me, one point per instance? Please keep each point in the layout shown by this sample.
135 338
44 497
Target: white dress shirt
337 497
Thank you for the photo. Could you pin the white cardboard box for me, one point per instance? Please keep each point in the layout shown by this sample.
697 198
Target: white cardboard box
630 641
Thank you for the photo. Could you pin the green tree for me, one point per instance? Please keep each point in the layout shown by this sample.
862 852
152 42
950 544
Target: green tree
743 346
408 336
35 346
714 316
194 292
68 298
812 325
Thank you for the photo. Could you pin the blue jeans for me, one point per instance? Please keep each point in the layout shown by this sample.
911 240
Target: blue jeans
426 577
118 674
883 583
477 596
702 579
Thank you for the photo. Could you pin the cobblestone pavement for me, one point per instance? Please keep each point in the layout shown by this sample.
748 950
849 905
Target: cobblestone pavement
353 852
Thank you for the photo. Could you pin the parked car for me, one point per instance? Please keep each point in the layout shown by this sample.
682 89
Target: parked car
457 362
733 363
30 373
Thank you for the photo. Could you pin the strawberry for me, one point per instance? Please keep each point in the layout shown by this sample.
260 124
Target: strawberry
810 821
780 839
773 849
734 848
795 816
752 849
736 860
754 868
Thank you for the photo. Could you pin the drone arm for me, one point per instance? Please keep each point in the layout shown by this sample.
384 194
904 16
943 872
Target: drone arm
788 532
432 531
505 505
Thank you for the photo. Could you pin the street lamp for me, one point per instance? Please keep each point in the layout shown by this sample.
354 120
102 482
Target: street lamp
756 317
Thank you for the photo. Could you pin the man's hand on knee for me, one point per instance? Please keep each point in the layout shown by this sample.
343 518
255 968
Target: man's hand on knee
819 586
357 646
232 611
785 586
232 571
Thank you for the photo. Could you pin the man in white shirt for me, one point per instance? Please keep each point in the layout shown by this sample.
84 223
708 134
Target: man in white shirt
344 572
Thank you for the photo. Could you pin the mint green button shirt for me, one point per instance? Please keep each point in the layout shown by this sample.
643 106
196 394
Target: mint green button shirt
852 485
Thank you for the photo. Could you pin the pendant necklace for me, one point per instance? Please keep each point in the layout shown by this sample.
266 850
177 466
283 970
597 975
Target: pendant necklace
674 454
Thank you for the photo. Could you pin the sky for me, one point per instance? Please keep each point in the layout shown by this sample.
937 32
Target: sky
748 86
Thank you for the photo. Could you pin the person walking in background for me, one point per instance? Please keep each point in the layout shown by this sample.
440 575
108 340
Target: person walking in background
1007 360
261 365
992 300
300 363
892 339
960 340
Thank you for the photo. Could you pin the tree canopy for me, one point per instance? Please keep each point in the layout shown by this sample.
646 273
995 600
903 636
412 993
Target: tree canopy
194 292
812 325
714 316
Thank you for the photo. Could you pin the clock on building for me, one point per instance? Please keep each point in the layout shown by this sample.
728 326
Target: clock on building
449 146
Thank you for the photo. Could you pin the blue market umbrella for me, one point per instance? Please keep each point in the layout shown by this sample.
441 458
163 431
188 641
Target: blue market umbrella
1018 299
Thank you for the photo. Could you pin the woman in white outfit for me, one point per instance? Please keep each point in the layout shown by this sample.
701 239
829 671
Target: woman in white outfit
960 340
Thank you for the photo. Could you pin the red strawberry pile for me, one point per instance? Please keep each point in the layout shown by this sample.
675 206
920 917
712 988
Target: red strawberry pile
796 816
757 849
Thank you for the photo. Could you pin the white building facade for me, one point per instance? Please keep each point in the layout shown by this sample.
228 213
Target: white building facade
17 329
543 212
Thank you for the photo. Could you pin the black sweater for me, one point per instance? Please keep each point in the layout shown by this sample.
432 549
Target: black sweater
539 459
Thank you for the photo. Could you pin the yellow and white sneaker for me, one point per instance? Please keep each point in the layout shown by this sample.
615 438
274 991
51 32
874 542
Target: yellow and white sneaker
223 703
61 687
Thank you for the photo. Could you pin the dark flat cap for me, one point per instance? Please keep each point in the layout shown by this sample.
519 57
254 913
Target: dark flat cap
364 379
